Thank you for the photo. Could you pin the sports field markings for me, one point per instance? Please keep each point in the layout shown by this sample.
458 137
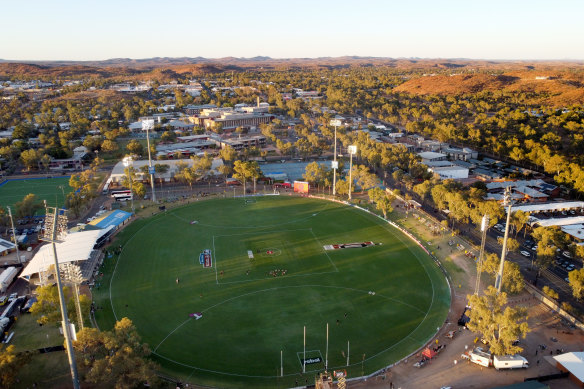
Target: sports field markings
301 353
271 278
288 287
398 234
324 208
323 250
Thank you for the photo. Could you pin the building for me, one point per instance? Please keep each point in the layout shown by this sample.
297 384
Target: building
430 156
449 172
196 109
572 363
243 143
118 172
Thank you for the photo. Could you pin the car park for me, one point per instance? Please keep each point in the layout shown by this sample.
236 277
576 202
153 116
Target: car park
525 253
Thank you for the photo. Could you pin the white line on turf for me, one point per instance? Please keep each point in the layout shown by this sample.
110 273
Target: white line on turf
322 248
294 287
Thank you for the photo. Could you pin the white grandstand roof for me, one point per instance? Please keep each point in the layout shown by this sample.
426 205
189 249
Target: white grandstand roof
559 206
77 246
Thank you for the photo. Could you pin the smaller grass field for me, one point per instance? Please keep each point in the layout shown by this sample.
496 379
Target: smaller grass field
51 189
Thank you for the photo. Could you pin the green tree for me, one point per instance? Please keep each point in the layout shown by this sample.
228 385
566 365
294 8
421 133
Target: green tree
10 364
116 359
28 206
513 281
109 146
135 148
498 324
384 205
30 158
550 292
576 279
228 154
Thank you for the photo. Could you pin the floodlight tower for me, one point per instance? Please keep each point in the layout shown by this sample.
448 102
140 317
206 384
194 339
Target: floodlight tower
484 228
128 162
149 125
506 201
55 231
335 165
72 273
352 150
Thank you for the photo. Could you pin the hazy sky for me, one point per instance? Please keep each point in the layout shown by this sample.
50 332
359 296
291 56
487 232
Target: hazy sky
94 30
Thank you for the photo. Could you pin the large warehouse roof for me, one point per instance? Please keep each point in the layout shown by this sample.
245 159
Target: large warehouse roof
76 247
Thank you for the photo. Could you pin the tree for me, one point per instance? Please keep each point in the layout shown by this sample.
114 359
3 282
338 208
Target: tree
228 154
30 158
519 221
10 364
499 325
375 194
314 173
512 244
28 206
242 171
115 358
550 292
109 146
513 281
384 205
576 278
135 147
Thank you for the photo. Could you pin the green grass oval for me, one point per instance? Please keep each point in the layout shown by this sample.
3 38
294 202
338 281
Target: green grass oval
388 299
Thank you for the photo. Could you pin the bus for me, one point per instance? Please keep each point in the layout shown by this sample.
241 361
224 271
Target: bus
120 192
107 185
122 197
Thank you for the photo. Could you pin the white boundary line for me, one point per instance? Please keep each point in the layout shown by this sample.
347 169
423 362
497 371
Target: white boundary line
323 250
291 287
239 375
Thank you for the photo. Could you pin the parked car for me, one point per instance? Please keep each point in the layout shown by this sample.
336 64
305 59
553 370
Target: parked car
570 267
567 254
525 253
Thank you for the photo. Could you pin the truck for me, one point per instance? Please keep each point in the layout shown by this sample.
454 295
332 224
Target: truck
478 356
7 277
510 362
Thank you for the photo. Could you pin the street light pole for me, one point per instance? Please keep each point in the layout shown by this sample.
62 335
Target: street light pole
54 227
507 201
335 123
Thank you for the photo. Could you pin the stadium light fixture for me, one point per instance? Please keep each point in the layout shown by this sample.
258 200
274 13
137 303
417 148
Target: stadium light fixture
55 231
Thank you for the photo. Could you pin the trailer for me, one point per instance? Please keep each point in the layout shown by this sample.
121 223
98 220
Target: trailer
478 356
510 362
7 277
